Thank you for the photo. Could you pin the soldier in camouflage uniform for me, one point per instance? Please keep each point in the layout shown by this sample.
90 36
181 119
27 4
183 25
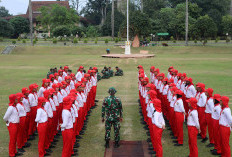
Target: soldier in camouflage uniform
111 72
105 73
118 72
112 107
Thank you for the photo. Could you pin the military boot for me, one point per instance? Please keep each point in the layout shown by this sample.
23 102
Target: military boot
116 144
107 145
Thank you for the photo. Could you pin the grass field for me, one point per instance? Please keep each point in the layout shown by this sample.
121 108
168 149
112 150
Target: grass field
26 65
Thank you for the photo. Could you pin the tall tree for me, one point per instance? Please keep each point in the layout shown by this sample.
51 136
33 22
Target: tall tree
112 20
231 8
20 24
4 12
6 29
57 15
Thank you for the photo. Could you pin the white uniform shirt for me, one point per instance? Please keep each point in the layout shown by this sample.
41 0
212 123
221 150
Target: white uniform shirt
190 91
209 106
150 109
41 90
55 81
178 84
79 76
165 90
33 99
41 116
26 105
72 84
175 79
179 106
169 75
67 120
173 101
202 100
64 74
52 104
11 115
158 119
193 119
226 118
64 93
182 87
73 115
48 109
21 110
79 100
216 112
60 97
60 79
55 99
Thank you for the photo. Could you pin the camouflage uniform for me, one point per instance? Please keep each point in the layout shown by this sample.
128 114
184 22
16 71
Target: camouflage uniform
111 73
112 107
119 72
98 76
106 74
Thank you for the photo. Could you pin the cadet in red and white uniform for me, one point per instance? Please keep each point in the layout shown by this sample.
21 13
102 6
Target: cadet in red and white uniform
169 75
33 101
182 86
175 72
172 112
225 124
67 80
67 127
72 81
22 119
179 117
193 127
56 75
49 109
94 83
152 75
80 73
26 104
52 79
158 127
64 93
165 105
60 77
11 118
216 116
208 111
201 111
178 84
65 72
42 125
43 88
190 92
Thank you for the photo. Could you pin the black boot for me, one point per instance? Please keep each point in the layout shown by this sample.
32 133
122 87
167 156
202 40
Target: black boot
116 144
107 145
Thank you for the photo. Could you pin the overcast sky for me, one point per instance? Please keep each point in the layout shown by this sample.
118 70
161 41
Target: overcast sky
16 7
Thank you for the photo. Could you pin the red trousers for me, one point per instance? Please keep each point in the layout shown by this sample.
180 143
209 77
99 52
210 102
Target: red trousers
225 139
186 107
217 137
55 123
192 134
48 134
158 143
13 131
209 122
42 131
32 126
172 118
150 124
179 117
21 131
202 121
67 142
27 123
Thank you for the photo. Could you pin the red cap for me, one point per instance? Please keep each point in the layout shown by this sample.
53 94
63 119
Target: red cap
179 92
209 91
54 86
73 91
56 74
51 76
86 75
171 80
152 94
59 85
157 104
176 71
77 85
19 96
64 83
157 70
165 79
148 85
184 75
201 85
25 90
66 67
190 80
217 97
174 89
141 75
171 67
12 99
152 67
172 85
225 101
72 75
84 80
179 74
193 102
140 66
67 78
94 68
41 100
146 79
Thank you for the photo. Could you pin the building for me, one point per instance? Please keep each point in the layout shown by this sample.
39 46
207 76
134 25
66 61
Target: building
36 5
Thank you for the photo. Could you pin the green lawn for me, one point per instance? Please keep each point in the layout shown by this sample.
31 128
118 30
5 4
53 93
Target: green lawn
26 65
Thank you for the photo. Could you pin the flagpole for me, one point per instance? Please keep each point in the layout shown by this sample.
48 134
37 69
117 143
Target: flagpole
127 45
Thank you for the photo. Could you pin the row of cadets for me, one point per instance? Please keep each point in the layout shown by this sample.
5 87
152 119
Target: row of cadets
80 74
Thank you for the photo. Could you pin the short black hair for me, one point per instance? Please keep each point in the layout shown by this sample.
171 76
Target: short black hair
178 96
116 67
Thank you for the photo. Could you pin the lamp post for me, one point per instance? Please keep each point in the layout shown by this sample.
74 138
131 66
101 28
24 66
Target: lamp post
31 23
127 44
186 24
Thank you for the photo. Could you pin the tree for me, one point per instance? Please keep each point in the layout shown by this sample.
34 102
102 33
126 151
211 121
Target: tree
95 11
204 27
227 24
118 20
6 29
140 24
57 15
92 31
20 24
61 31
152 7
4 12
